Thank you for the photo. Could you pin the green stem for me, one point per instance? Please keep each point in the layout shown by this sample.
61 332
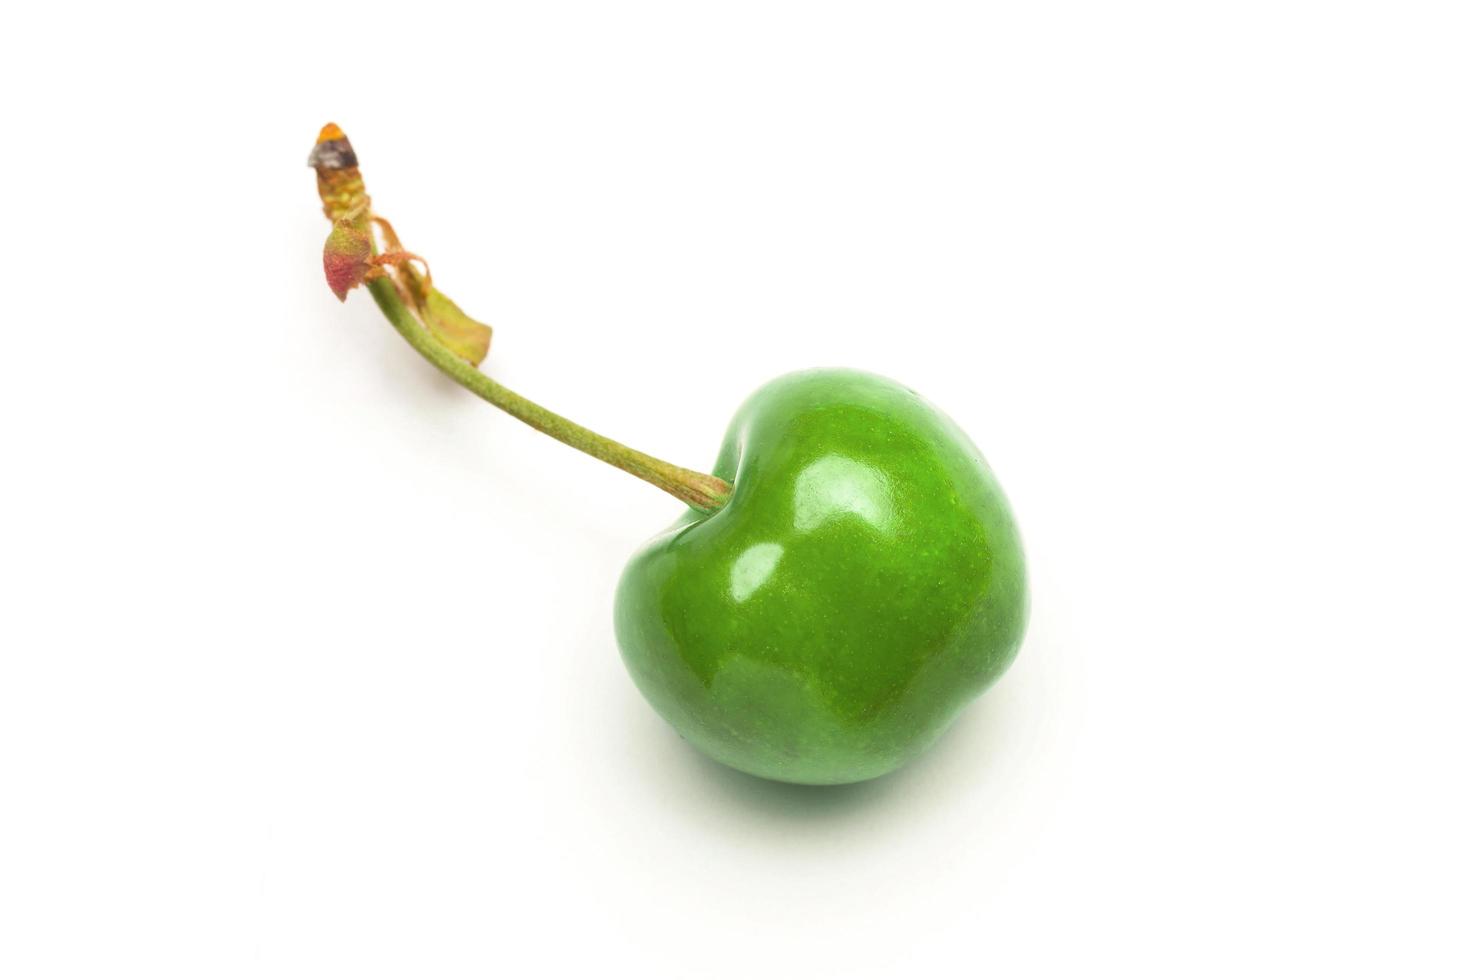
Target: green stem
699 490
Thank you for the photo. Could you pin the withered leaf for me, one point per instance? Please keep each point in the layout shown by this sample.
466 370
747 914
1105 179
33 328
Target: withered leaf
346 258
461 333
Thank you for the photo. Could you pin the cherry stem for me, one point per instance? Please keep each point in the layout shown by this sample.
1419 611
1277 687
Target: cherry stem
700 491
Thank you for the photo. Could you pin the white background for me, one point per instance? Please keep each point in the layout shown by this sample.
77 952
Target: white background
306 660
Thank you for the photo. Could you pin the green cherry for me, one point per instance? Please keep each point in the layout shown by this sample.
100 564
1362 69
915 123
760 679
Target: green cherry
842 584
863 583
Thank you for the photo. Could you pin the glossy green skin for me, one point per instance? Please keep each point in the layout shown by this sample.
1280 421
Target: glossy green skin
864 582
